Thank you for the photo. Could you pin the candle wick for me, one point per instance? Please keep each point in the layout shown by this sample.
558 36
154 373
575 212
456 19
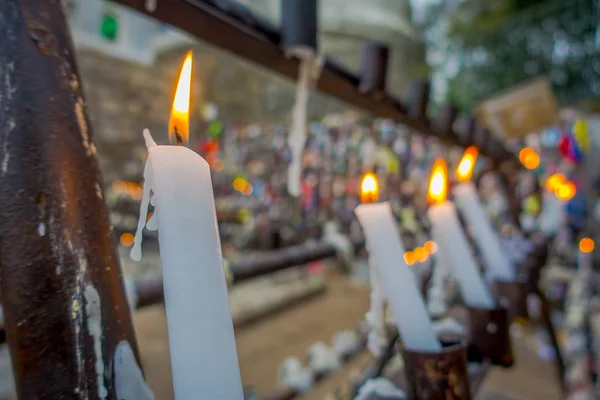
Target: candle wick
178 136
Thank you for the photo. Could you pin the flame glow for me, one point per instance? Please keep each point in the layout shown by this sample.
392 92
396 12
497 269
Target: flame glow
566 191
438 183
586 245
430 246
421 254
465 168
369 188
529 158
180 113
409 258
554 181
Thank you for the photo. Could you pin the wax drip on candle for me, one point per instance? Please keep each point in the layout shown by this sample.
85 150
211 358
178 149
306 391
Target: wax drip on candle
152 223
136 250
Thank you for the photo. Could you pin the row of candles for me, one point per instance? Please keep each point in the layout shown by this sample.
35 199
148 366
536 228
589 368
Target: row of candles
201 338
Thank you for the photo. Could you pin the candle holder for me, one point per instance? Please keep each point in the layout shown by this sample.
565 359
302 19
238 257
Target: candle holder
489 337
373 68
299 24
418 98
513 296
437 376
464 127
443 123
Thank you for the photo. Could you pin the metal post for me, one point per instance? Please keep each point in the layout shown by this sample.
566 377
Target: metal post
64 304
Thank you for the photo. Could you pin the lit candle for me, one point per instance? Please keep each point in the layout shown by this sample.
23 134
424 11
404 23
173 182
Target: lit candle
398 282
487 240
584 256
551 217
201 339
452 243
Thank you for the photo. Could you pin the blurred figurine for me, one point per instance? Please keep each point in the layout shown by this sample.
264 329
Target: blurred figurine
322 359
346 344
379 388
292 374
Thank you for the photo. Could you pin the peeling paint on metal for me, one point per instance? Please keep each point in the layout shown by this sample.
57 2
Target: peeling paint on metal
98 191
9 128
94 324
41 229
83 127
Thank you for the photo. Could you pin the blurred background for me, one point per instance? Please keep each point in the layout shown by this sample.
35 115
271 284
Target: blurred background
472 51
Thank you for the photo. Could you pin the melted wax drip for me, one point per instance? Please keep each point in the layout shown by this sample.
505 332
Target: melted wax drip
136 250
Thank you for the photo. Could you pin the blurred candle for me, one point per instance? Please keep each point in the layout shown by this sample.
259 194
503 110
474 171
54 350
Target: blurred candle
467 201
584 256
387 253
452 243
204 359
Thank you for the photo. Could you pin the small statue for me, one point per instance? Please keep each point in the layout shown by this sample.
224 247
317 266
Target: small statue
292 374
322 359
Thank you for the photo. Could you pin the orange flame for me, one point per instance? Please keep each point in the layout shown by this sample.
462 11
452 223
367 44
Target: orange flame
465 168
369 188
586 245
430 246
566 191
438 183
529 158
179 123
409 258
421 254
554 181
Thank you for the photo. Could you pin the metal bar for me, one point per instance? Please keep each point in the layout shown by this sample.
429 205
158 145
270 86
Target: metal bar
150 290
236 30
278 260
65 309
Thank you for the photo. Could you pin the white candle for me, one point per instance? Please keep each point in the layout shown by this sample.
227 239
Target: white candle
204 360
452 243
201 340
467 200
551 218
399 283
487 240
584 255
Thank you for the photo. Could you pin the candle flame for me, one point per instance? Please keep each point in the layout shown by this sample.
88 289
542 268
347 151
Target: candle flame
586 245
438 184
430 246
465 168
369 188
179 123
566 191
421 254
409 258
529 158
554 181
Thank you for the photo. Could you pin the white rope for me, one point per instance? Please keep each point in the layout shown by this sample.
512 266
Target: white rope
309 71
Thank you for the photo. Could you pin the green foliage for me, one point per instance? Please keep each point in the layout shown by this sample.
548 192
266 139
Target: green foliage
499 43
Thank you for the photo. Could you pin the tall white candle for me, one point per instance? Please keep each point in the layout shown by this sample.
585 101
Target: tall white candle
452 242
487 240
399 283
201 339
204 360
467 201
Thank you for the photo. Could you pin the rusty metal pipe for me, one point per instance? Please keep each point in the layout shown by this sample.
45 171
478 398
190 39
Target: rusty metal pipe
437 376
65 309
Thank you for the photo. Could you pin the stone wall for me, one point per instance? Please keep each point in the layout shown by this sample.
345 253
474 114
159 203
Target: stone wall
124 98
